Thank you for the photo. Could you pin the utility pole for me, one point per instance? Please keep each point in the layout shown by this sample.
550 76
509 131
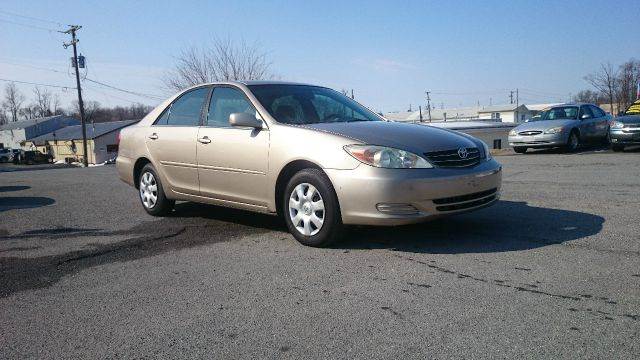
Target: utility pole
428 104
420 108
511 97
352 94
72 30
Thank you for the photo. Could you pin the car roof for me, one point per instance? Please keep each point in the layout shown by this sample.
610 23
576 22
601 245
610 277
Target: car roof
255 82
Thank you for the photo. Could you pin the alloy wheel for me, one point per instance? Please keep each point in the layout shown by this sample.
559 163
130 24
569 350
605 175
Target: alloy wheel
306 209
574 141
148 190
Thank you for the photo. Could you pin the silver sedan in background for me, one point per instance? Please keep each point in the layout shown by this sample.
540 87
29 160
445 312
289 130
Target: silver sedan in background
565 126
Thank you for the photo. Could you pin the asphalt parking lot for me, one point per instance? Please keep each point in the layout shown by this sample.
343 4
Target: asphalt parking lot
552 270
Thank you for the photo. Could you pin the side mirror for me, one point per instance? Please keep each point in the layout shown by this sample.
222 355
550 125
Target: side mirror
245 120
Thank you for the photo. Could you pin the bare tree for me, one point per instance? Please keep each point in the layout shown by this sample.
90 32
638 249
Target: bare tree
606 81
43 99
3 116
589 96
13 100
55 105
91 108
628 78
223 60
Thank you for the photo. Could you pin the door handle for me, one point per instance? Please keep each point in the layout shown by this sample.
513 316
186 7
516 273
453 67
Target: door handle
204 140
153 136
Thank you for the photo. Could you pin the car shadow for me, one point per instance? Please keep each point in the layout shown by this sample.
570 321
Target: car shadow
24 202
14 188
582 149
506 226
218 213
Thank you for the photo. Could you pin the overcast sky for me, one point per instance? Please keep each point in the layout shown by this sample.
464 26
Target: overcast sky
389 52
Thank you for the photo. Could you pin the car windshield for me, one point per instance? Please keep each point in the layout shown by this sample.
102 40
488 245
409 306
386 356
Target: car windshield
560 112
304 104
634 109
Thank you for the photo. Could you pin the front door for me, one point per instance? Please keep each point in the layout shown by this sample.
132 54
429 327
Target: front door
232 161
172 141
587 123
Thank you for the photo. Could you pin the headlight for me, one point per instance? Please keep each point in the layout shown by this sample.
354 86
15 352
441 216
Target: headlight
555 130
617 125
513 132
487 152
385 157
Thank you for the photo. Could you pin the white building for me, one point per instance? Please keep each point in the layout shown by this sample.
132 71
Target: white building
14 133
510 113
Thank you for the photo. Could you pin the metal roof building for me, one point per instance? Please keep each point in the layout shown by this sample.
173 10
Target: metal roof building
14 133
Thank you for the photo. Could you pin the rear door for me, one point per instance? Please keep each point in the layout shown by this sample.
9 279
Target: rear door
171 140
232 161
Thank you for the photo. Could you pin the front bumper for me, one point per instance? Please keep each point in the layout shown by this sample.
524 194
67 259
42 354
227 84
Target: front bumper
625 136
538 141
374 196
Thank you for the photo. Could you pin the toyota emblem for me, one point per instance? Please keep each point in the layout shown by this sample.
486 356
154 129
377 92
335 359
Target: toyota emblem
462 152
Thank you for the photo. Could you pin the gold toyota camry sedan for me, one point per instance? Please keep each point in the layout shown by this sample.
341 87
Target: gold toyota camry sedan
307 153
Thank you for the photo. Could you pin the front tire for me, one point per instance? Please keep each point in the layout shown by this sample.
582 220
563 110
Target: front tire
152 196
573 143
311 210
520 150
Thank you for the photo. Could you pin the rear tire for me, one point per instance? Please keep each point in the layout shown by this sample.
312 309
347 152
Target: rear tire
151 193
617 148
520 150
573 142
311 210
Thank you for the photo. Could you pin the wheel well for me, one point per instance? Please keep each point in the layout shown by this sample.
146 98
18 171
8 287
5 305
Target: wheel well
137 168
285 174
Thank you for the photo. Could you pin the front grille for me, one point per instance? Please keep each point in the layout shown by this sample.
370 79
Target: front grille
452 158
466 205
461 198
530 132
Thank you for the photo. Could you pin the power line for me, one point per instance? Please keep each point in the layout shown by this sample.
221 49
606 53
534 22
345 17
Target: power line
33 67
29 25
154 97
38 84
30 17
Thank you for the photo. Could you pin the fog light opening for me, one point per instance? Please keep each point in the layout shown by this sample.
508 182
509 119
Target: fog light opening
397 209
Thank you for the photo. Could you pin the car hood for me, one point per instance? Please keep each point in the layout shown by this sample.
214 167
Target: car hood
629 119
542 125
410 137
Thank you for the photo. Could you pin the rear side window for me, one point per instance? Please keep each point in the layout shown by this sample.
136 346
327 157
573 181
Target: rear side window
186 110
224 102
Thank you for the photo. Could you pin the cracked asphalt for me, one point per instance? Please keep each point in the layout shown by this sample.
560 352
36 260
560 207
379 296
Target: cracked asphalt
552 270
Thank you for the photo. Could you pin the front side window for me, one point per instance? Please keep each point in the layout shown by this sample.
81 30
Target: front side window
585 112
186 110
224 102
561 112
303 104
597 112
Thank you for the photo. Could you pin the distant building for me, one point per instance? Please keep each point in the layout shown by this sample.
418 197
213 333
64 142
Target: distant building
66 143
14 133
454 114
510 113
